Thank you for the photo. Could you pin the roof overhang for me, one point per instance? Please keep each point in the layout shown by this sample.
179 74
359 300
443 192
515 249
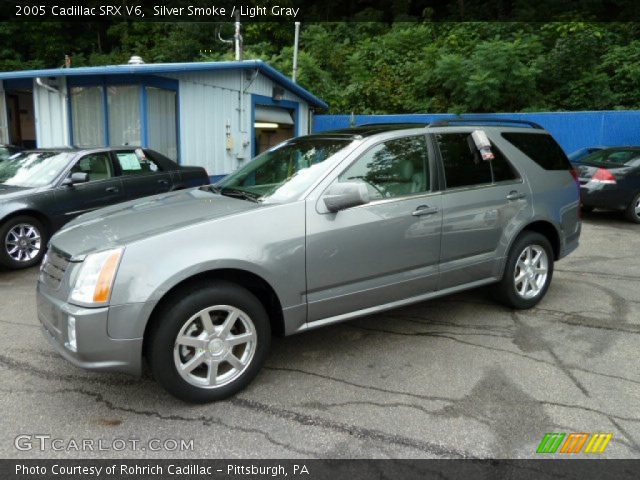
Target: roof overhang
165 68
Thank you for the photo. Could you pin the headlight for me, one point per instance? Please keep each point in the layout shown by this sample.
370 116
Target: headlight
95 279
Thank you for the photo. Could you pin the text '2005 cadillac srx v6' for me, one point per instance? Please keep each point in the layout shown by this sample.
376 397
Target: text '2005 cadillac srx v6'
317 230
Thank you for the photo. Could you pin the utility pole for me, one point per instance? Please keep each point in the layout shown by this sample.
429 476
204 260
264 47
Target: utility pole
296 41
238 38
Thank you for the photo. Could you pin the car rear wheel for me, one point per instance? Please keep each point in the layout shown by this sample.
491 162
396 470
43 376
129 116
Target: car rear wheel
210 344
633 210
528 271
23 242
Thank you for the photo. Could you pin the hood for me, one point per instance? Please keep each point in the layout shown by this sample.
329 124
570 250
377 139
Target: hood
9 192
128 222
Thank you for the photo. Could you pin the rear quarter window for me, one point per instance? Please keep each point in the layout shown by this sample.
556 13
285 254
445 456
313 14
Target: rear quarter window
541 148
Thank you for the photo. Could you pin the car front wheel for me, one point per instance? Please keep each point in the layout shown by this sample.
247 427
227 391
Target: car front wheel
528 271
23 242
210 344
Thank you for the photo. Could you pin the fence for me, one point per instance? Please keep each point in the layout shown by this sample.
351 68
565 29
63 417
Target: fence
573 130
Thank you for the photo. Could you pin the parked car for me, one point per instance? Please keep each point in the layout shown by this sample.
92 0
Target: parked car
610 179
7 150
41 190
320 229
579 155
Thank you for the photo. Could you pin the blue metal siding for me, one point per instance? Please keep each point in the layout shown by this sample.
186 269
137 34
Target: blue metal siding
573 130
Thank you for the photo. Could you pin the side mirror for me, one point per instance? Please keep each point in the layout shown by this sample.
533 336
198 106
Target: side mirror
346 195
76 177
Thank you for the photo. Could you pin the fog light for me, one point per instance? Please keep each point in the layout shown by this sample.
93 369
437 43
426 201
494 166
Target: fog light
71 334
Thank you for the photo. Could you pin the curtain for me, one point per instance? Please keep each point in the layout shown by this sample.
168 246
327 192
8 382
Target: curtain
161 121
124 115
87 113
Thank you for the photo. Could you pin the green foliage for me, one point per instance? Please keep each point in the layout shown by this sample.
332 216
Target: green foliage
371 66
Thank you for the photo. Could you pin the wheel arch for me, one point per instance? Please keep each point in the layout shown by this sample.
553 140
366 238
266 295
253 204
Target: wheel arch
42 218
257 285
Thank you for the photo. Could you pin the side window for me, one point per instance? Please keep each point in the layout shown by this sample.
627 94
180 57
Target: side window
500 167
97 165
394 168
541 148
133 164
463 166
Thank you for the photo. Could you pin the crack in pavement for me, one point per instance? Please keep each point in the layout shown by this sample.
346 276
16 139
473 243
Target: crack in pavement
307 420
615 276
352 430
205 420
558 362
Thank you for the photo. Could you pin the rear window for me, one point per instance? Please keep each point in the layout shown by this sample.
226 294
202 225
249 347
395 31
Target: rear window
541 148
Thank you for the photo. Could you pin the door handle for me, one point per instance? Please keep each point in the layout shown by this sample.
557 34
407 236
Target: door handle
424 210
112 190
513 195
163 182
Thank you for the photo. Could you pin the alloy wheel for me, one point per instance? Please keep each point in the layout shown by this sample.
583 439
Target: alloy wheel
23 242
531 271
215 346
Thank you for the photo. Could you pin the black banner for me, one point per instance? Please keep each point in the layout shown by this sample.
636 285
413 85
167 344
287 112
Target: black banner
319 469
387 11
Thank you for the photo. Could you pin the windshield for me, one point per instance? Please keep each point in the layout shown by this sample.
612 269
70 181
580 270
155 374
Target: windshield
33 169
284 172
6 152
610 156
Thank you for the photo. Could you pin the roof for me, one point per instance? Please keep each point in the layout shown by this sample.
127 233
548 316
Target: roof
159 68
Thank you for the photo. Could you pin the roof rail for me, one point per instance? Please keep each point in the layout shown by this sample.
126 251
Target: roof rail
392 124
480 120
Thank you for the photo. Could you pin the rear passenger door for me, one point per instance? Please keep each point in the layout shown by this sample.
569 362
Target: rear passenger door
141 175
480 200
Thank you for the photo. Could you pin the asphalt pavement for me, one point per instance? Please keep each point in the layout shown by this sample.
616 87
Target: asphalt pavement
456 377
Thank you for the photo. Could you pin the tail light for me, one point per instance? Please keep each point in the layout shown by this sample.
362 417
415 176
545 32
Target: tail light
575 175
603 175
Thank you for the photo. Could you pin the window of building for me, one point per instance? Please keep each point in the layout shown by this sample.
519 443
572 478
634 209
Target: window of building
87 110
161 121
124 115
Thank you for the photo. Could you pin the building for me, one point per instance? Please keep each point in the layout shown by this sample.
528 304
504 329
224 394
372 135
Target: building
214 114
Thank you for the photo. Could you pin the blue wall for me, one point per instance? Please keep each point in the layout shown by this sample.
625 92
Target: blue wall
573 130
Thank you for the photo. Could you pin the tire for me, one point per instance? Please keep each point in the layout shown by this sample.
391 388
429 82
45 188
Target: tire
517 294
23 241
587 208
633 210
179 338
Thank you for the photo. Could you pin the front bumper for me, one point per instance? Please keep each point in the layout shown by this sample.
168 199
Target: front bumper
95 349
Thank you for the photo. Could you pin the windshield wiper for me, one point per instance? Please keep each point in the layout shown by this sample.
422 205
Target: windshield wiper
238 193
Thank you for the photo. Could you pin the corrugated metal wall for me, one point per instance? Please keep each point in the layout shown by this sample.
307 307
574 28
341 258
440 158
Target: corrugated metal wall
209 102
50 108
573 130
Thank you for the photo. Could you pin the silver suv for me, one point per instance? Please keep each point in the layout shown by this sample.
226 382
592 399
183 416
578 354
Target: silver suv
318 230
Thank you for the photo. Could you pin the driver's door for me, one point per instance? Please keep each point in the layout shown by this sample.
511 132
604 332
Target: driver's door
382 252
102 189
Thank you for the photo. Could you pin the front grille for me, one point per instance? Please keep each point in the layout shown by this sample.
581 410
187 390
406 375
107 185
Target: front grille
53 269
